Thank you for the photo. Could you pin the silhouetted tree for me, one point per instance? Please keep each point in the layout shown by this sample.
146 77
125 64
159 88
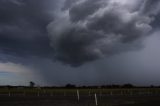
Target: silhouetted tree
128 86
152 86
70 86
31 84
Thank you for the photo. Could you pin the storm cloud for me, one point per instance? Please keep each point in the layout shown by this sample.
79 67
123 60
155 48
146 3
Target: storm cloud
74 32
86 30
86 42
23 28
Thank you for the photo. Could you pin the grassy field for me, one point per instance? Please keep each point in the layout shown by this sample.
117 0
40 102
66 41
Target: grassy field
86 91
84 97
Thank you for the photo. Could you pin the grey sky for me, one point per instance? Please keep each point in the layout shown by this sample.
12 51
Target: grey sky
54 42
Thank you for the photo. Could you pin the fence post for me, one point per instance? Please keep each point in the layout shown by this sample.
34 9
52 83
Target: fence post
24 93
38 93
111 93
121 93
64 93
96 100
89 93
51 94
9 94
78 95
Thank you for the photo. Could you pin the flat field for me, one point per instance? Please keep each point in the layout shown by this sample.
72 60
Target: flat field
79 97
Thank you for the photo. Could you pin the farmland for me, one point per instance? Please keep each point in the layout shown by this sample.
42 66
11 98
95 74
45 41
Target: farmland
84 97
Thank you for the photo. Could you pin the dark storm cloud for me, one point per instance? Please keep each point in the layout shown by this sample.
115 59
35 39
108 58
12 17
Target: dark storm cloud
79 30
23 27
80 11
86 30
151 7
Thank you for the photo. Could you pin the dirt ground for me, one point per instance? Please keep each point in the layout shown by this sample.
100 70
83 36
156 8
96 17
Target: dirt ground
85 100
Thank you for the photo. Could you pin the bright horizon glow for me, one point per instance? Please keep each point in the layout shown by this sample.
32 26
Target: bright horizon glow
15 74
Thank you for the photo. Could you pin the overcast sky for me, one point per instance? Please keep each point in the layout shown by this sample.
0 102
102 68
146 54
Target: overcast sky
83 42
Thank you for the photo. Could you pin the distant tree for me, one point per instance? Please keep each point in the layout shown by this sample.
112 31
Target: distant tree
8 86
31 84
115 86
70 86
128 86
152 86
84 86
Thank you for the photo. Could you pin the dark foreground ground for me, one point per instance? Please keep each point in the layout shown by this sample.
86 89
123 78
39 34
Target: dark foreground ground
85 100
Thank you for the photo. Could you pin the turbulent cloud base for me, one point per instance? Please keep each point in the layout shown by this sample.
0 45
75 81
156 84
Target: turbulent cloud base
85 30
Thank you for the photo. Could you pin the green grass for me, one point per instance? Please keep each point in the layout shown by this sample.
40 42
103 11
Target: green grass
87 91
